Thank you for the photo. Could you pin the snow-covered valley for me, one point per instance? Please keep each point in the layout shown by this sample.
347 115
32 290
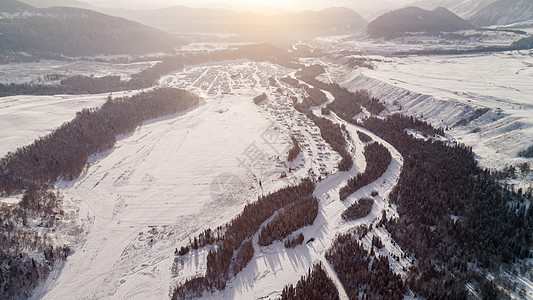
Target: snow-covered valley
174 177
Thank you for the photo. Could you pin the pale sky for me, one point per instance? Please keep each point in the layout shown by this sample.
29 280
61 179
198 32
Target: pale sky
285 4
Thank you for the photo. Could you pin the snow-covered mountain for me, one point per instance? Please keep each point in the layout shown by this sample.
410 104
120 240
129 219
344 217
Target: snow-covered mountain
415 19
463 8
484 12
503 12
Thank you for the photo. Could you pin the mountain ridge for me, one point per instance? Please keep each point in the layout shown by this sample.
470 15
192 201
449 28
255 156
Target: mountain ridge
415 19
77 32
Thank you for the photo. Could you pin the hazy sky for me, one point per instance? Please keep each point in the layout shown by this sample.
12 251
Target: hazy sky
285 4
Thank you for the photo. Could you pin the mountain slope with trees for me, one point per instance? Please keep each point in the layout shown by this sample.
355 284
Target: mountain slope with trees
415 19
77 32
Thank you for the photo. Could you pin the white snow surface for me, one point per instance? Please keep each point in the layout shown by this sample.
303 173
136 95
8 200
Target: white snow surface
444 90
151 192
24 118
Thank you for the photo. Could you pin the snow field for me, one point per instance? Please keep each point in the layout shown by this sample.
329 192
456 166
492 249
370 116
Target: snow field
454 90
151 192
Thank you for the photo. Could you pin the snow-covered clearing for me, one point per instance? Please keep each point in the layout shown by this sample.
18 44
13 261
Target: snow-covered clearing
24 118
151 192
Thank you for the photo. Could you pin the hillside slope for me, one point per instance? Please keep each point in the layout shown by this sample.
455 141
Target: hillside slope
463 8
76 32
503 12
14 7
414 19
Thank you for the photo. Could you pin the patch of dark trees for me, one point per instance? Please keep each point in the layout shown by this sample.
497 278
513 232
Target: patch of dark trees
528 153
475 115
258 99
220 260
364 137
293 241
243 257
28 255
291 218
364 275
316 285
378 159
332 133
272 82
295 150
346 104
493 225
314 97
358 210
290 81
64 152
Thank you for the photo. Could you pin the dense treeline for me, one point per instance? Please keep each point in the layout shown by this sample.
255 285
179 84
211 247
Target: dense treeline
288 220
346 104
28 255
295 150
290 81
293 241
243 257
358 210
316 285
237 231
149 77
332 133
314 97
378 159
363 275
364 137
451 213
64 152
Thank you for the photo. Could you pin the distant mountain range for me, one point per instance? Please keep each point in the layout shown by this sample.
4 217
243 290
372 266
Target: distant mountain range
272 28
485 12
415 19
66 3
76 32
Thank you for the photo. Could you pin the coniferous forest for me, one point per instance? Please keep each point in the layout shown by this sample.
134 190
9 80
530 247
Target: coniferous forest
452 213
364 275
290 219
378 159
316 285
